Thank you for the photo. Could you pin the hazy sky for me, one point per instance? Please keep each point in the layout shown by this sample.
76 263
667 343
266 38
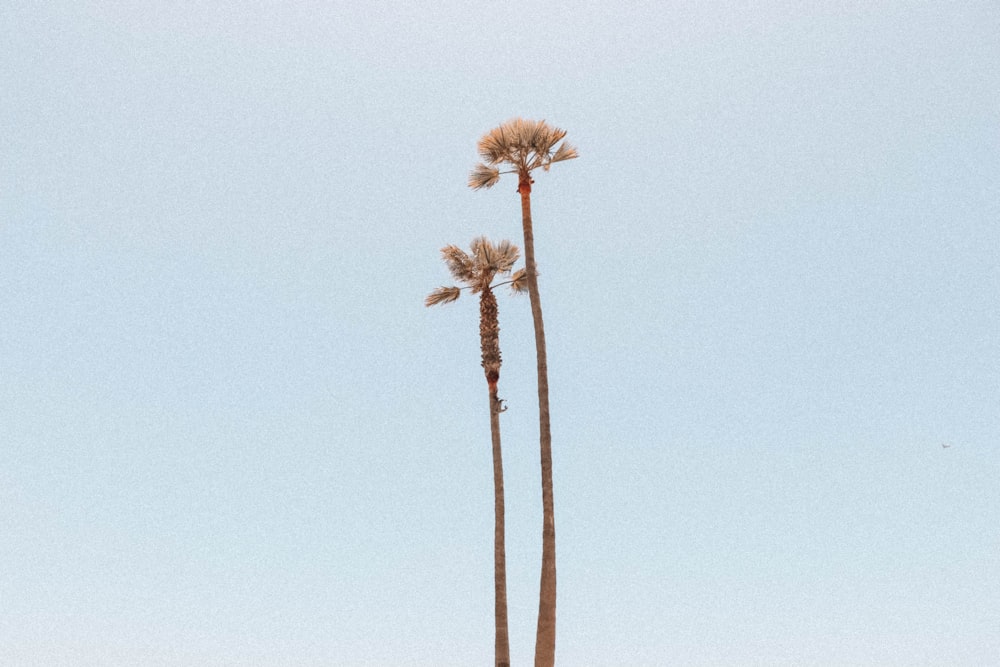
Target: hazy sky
231 434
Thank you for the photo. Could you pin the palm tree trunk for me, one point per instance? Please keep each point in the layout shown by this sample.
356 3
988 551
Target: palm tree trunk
489 339
499 549
545 637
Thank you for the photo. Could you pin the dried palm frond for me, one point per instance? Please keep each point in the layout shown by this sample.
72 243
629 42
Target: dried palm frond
544 137
533 134
461 266
491 259
519 282
506 254
494 146
483 177
524 133
443 295
564 152
482 251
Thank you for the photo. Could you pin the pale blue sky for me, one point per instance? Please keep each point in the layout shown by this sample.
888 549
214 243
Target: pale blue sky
231 434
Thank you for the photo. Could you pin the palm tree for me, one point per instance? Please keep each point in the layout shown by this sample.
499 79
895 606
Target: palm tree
477 271
526 145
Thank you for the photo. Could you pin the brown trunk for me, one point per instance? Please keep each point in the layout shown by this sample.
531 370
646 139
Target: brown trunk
545 637
489 338
499 549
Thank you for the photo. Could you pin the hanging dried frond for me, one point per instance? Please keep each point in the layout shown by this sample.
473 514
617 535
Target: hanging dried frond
461 266
483 177
443 295
519 282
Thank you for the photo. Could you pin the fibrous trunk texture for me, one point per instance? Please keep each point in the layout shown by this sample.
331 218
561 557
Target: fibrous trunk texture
489 336
545 637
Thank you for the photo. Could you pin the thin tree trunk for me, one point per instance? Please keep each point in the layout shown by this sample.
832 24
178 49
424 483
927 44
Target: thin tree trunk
545 637
489 338
499 549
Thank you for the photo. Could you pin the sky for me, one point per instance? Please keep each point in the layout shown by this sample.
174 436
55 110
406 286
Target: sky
231 433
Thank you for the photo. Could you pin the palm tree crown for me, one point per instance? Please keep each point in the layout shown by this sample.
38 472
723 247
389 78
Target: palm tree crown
477 272
478 269
523 144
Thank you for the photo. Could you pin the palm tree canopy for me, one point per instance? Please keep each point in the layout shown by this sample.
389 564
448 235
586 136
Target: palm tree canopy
523 144
477 270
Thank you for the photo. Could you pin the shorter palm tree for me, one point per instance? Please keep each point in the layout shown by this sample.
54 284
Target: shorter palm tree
477 272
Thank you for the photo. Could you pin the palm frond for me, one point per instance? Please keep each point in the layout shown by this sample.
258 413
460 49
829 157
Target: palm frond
564 152
523 132
544 137
555 135
519 282
492 258
483 177
494 146
461 266
506 254
443 295
482 251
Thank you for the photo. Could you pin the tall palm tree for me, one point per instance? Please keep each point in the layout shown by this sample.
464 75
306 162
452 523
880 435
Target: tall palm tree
526 145
477 272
